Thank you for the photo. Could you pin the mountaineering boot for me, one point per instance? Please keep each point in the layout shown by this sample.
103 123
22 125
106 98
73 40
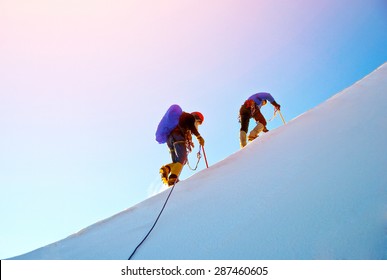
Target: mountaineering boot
172 180
251 138
164 172
257 129
175 172
242 138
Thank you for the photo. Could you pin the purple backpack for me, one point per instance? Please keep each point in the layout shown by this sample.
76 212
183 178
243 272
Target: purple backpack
168 123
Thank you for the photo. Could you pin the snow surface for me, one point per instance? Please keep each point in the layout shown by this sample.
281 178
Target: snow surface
315 188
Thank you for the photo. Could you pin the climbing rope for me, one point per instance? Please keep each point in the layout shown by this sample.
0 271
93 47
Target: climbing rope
199 156
274 115
154 224
189 149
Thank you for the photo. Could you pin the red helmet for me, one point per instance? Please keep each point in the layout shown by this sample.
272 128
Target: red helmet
198 116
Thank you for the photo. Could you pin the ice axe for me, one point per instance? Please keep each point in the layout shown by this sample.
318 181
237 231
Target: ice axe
283 120
275 114
205 157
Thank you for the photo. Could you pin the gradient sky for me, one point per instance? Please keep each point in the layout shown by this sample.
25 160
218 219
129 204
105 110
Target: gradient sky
83 85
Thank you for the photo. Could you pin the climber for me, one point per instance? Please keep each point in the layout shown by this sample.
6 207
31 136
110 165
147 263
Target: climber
177 127
251 109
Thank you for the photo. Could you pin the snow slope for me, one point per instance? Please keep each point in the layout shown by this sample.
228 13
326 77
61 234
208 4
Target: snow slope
315 188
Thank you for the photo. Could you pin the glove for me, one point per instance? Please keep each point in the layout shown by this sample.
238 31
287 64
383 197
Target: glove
265 129
276 105
200 140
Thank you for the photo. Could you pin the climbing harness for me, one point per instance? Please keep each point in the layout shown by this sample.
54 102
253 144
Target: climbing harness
174 146
188 141
249 105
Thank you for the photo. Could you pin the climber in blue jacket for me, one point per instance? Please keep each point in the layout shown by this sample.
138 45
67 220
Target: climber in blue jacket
251 109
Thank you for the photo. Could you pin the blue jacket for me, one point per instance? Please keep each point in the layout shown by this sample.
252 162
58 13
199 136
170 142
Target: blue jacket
258 97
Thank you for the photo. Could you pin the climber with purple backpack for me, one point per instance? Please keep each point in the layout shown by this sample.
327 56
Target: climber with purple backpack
176 129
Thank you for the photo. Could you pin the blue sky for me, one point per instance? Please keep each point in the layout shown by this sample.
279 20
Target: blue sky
84 85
